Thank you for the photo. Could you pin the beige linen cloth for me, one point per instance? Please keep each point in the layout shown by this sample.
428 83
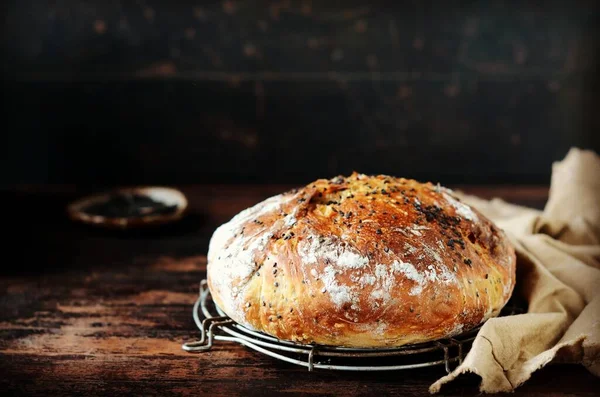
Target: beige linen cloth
558 273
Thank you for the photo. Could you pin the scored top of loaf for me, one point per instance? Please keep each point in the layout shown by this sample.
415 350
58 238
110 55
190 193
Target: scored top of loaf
361 261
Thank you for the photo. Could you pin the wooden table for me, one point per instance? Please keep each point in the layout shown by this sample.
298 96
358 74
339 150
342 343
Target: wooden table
90 312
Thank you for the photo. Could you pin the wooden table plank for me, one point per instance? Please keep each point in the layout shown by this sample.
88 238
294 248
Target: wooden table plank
89 312
119 330
38 216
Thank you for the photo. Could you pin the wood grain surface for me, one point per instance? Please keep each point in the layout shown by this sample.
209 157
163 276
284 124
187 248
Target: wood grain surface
97 326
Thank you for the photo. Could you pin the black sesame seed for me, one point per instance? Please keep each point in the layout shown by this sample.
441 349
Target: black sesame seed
467 261
378 231
276 284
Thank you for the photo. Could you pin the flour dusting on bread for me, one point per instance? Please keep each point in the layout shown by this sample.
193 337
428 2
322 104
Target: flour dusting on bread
361 261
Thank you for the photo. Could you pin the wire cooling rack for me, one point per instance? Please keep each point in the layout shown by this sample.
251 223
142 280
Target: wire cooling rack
217 326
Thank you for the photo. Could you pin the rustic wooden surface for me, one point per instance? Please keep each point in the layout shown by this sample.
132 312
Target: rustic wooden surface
110 320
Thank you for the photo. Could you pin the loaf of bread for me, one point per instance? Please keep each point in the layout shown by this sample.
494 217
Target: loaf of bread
361 261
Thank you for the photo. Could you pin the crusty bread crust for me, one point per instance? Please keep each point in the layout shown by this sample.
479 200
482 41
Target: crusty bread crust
361 261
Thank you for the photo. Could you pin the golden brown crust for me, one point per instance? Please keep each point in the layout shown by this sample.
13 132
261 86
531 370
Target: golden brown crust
362 261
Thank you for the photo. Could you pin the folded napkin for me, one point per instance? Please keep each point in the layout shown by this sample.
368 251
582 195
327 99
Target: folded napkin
558 274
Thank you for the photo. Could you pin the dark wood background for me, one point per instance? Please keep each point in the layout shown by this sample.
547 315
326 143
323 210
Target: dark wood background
104 92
